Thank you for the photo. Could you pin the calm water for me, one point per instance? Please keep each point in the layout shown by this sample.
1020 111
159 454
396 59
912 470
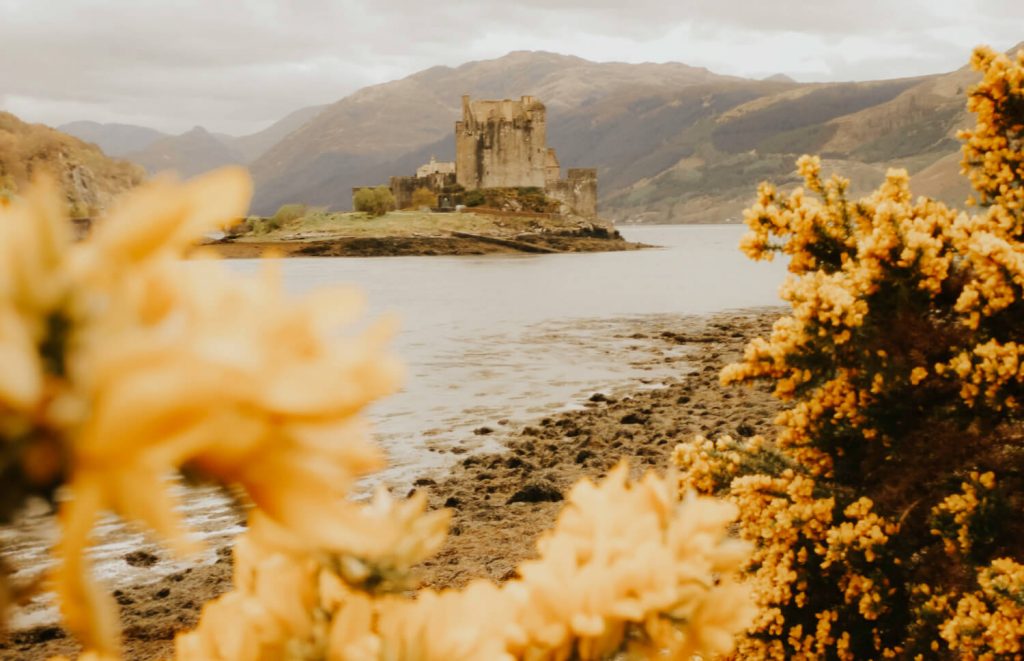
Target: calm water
485 339
494 336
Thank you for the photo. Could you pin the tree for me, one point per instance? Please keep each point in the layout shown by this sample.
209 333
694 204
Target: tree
374 201
423 197
289 212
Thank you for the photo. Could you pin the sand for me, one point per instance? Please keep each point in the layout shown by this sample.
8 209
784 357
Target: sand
502 500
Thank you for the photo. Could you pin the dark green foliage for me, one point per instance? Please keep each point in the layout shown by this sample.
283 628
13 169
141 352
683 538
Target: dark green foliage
374 201
289 212
259 225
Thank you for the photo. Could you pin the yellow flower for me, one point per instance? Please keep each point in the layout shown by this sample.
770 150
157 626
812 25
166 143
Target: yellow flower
159 364
475 624
624 555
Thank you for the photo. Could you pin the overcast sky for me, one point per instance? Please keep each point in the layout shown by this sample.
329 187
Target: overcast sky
235 66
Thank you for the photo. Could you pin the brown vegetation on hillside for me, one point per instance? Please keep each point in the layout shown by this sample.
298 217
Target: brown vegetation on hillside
88 178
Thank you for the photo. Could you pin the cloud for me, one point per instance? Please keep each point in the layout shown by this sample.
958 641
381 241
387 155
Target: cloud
235 67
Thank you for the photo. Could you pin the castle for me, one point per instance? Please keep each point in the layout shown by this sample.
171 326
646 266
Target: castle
502 144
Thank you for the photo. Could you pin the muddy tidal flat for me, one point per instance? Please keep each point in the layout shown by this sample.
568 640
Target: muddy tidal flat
501 500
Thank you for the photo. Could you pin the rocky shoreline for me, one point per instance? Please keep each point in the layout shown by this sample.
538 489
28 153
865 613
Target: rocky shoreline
404 246
502 500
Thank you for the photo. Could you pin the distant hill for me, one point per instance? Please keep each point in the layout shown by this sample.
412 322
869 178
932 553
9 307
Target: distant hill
255 145
188 154
113 139
672 143
942 180
360 139
90 179
191 153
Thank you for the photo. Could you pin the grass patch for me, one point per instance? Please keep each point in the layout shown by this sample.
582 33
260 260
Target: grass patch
320 225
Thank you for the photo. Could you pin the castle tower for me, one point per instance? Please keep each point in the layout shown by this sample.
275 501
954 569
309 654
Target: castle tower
501 144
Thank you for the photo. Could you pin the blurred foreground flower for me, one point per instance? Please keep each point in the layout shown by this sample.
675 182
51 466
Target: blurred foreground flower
629 567
124 364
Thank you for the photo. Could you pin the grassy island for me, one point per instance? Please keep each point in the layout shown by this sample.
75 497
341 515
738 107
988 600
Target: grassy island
295 231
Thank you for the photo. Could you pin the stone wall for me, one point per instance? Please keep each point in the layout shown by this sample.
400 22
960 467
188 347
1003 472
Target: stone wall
577 193
439 183
501 144
552 168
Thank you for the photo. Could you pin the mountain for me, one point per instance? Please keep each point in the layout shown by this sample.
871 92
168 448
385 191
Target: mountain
859 129
672 143
358 139
113 139
192 152
255 145
188 154
90 179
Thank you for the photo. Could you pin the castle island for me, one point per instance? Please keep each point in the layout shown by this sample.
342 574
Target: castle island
504 192
501 144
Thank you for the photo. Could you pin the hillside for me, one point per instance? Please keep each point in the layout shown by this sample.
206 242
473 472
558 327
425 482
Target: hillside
364 137
193 152
188 154
672 143
256 144
860 129
89 178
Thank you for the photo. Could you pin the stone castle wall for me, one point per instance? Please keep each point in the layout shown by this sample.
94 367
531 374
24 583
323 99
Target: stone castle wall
501 144
438 183
577 193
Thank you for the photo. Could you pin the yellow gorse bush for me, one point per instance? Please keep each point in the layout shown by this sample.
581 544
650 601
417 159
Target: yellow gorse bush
816 569
987 623
125 367
884 514
962 518
866 279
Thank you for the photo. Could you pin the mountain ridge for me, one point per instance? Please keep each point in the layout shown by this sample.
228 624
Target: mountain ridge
192 152
672 143
115 139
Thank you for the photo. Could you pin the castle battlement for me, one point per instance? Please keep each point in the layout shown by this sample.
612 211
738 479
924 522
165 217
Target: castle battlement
502 143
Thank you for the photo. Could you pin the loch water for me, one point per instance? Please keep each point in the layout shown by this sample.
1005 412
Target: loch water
488 341
489 337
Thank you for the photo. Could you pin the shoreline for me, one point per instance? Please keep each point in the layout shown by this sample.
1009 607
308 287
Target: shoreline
501 500
407 246
495 527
